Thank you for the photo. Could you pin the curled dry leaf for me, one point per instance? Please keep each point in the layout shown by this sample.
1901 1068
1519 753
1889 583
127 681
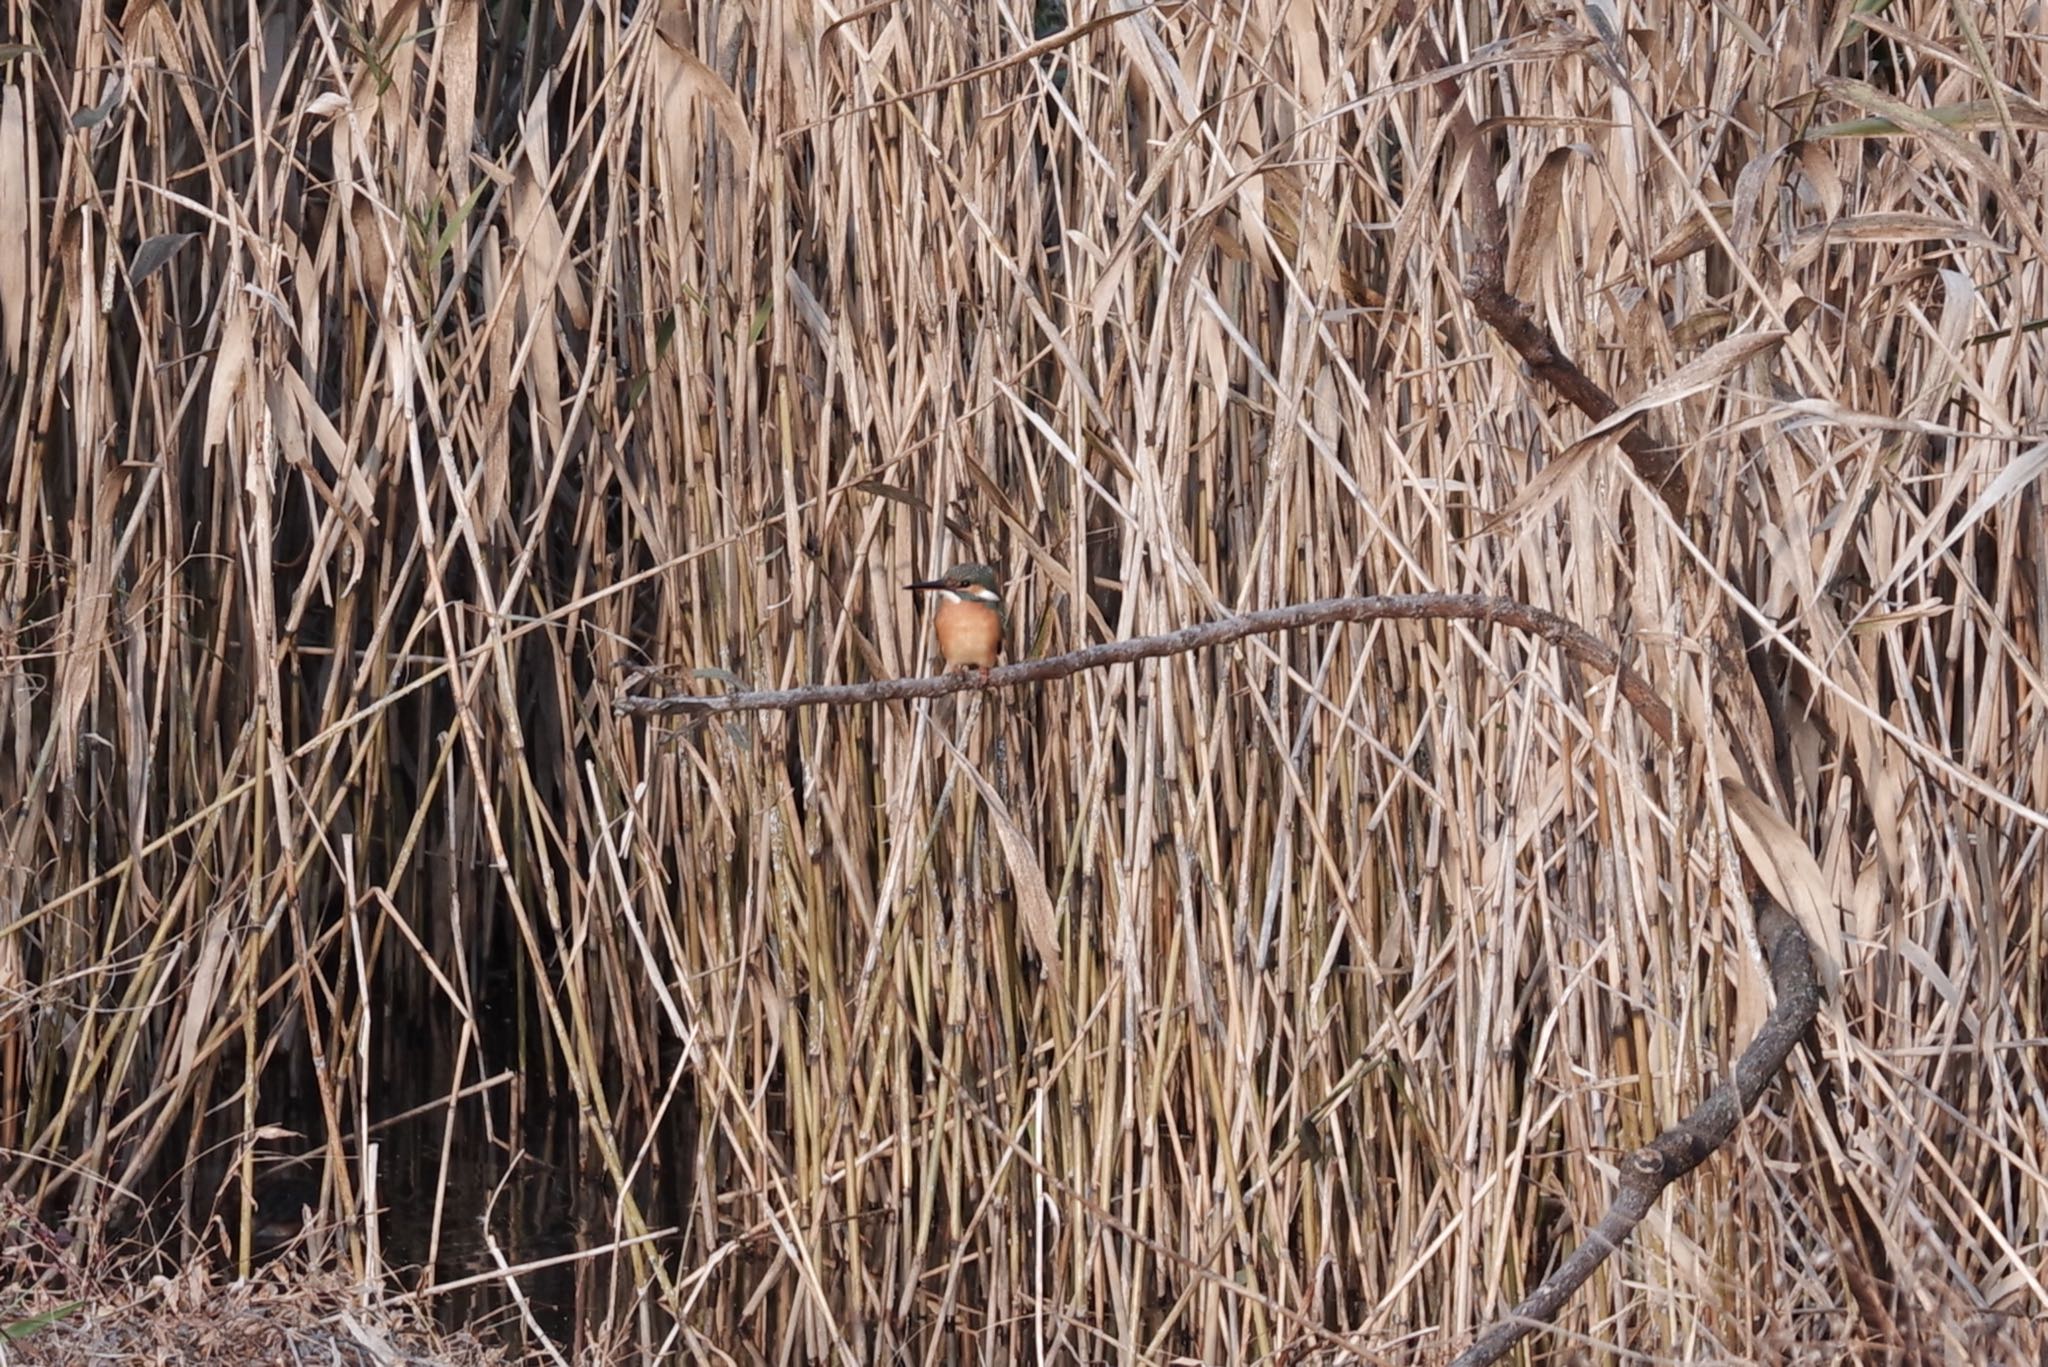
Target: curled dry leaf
686 79
1535 244
230 365
1035 910
1817 165
1694 234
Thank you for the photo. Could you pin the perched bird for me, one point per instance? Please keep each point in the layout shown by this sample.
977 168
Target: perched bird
971 620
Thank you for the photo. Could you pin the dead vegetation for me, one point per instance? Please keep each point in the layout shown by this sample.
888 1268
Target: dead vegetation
381 386
91 1309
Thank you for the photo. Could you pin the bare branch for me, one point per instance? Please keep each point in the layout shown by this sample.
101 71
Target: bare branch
1573 640
1685 1145
1486 288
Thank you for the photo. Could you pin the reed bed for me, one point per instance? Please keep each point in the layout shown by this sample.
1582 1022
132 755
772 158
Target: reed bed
388 388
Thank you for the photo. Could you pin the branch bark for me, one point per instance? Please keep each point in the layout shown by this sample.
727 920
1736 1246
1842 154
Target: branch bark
1679 1150
1685 1145
1486 290
1576 643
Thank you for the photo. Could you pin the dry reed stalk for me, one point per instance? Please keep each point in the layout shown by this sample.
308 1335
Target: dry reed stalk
376 392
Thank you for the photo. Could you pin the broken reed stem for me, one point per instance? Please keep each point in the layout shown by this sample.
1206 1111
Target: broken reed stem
1575 641
1683 1147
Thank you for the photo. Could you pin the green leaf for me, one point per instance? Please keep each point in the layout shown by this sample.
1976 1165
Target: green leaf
1970 116
446 237
21 1329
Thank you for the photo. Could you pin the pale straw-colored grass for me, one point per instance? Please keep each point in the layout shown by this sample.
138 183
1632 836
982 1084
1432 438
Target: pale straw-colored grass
514 346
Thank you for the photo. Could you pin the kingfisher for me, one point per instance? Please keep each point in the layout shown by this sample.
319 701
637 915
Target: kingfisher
971 620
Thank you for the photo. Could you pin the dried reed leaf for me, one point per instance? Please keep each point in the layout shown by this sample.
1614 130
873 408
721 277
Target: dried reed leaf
200 986
85 636
1306 47
1817 164
1937 136
1035 910
1884 782
1967 116
1792 876
542 270
355 485
154 254
1535 239
1702 372
230 368
284 417
500 386
1747 219
373 259
292 414
1897 227
458 54
2017 473
1696 328
1692 236
686 82
1915 559
15 200
545 266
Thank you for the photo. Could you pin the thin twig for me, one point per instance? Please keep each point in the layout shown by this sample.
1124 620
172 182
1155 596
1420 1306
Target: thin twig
1577 643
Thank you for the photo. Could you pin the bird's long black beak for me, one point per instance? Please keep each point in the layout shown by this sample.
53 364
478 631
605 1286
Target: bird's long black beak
925 584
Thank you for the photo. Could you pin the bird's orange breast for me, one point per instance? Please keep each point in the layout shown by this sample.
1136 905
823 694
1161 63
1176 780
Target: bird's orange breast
969 634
